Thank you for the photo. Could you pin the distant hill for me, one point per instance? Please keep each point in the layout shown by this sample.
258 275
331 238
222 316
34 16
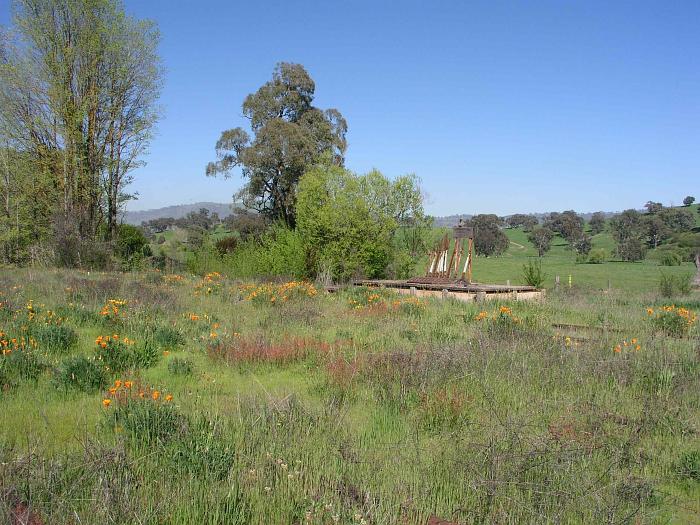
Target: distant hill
176 212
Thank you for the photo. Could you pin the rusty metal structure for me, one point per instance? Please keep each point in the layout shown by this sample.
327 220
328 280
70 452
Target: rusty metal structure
449 274
439 270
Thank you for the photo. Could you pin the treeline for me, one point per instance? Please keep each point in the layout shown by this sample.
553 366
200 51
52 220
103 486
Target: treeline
671 230
79 81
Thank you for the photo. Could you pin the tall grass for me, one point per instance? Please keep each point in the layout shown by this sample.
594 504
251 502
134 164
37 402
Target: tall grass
355 407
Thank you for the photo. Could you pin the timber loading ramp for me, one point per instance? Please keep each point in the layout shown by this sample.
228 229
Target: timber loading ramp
462 291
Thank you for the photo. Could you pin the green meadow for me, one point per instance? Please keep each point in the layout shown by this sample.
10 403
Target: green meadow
227 402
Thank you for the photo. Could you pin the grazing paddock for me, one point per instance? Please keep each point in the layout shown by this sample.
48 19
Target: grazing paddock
149 398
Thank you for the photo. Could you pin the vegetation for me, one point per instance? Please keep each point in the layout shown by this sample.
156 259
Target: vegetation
279 403
78 86
290 134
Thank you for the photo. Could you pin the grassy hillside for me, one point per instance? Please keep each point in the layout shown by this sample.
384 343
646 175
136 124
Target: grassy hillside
561 261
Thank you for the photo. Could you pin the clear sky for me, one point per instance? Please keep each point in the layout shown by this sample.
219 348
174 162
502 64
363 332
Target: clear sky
497 106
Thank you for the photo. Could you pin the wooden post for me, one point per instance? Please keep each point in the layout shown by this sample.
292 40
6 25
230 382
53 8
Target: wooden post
556 282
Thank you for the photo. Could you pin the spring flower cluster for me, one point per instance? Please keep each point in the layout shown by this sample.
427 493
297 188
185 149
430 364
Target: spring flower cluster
504 313
113 309
123 391
277 293
9 344
673 320
632 344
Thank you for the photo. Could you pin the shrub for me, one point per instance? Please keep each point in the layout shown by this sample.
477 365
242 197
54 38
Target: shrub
533 274
180 367
81 373
670 258
226 245
59 339
119 354
147 421
672 320
688 465
597 256
20 364
670 285
168 337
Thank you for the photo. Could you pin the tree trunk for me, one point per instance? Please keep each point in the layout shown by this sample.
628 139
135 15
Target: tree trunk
696 281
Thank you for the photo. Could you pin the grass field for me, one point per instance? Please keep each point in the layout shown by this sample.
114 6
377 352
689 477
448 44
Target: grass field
290 405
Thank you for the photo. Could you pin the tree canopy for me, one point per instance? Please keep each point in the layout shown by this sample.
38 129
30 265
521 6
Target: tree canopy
289 135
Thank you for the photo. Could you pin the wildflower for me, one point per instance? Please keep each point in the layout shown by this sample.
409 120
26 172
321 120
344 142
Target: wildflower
118 383
268 489
169 397
634 341
638 347
106 402
166 353
128 384
155 395
112 390
618 349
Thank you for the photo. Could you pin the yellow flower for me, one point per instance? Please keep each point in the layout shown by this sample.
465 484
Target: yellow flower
155 395
169 397
106 402
127 384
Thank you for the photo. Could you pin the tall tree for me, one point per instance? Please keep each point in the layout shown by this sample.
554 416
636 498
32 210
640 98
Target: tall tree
289 135
78 87
597 222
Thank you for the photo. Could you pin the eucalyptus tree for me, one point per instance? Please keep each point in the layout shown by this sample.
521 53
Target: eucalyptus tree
288 135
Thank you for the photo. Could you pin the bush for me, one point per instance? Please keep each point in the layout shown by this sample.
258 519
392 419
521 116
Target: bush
168 337
147 421
672 320
533 274
597 256
81 373
670 285
58 339
20 364
119 354
670 258
180 367
689 465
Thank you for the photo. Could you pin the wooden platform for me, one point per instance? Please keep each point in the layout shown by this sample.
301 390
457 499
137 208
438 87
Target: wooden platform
461 291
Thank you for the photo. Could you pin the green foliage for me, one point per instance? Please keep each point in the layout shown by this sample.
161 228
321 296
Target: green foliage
146 421
290 134
167 337
20 364
541 238
131 242
671 285
533 274
629 233
688 200
597 222
179 366
489 239
59 339
688 465
81 373
597 256
671 258
344 222
86 61
568 224
119 356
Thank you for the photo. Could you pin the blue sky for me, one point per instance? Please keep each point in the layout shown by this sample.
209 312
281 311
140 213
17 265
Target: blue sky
498 107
